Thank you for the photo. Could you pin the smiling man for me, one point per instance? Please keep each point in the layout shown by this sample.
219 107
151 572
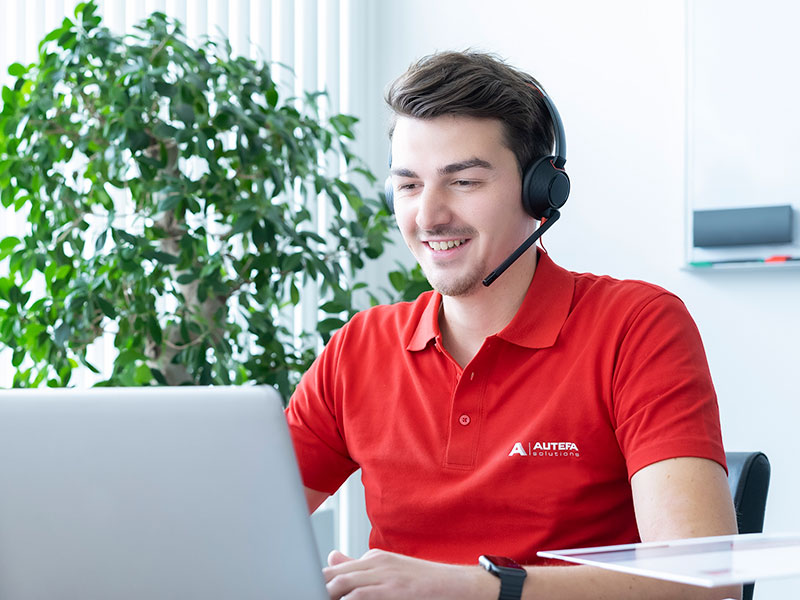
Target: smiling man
547 410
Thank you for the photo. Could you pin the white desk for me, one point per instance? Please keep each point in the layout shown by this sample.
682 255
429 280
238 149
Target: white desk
706 562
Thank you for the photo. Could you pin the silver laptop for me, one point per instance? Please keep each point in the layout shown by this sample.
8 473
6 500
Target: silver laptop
157 493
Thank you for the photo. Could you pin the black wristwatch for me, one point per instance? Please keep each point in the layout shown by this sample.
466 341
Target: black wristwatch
512 575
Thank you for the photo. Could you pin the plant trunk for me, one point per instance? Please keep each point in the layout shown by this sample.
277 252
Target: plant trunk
161 356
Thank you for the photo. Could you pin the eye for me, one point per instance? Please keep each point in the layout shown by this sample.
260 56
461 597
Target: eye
465 183
407 186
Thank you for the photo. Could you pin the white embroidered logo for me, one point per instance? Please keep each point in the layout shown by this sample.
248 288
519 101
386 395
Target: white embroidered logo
545 449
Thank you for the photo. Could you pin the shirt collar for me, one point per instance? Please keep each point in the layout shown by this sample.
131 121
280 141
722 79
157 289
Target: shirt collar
428 325
538 321
545 308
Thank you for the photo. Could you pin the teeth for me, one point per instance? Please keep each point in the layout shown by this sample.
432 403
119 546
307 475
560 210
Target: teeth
445 245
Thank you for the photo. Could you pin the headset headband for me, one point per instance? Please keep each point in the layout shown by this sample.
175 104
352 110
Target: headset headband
560 151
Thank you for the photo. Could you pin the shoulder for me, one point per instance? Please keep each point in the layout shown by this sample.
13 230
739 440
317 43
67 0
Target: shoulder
391 314
391 321
612 308
604 293
369 340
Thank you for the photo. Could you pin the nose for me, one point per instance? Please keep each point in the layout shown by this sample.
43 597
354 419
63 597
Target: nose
433 208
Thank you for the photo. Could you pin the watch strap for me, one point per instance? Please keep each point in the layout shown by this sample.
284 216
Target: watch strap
509 572
511 586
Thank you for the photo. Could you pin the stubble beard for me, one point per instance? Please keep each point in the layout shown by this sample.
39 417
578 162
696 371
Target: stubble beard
463 285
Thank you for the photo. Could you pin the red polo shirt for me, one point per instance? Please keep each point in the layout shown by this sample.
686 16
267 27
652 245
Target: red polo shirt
529 447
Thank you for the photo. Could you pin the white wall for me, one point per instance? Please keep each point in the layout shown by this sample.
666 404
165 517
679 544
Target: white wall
616 70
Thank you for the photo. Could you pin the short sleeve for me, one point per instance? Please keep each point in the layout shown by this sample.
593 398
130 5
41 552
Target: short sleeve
664 400
314 416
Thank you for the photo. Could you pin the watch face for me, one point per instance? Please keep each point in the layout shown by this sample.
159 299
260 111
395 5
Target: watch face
502 561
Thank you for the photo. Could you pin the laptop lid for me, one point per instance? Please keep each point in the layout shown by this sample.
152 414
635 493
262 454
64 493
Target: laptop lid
158 493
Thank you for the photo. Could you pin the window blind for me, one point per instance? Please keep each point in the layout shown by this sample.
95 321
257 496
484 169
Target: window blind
315 38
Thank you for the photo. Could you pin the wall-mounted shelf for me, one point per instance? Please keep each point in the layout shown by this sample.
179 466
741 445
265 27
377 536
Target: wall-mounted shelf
744 265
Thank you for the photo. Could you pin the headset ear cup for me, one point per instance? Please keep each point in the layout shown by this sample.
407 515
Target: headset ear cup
388 190
544 188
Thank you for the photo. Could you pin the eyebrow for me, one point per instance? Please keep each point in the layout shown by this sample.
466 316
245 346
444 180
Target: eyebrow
448 169
464 165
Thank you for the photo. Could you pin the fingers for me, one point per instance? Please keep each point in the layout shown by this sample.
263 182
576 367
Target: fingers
337 558
339 564
389 576
346 575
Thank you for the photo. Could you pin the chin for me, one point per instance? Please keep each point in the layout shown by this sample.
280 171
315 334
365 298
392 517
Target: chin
456 287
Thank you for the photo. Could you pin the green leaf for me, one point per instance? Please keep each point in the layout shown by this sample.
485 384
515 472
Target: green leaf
414 289
398 280
169 202
62 272
329 325
272 97
292 263
61 334
131 239
185 113
155 330
90 366
107 308
244 223
162 257
158 376
9 97
56 33
16 70
142 375
127 357
334 307
17 357
101 241
185 278
7 245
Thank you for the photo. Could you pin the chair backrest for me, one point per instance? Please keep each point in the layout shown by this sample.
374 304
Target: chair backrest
748 478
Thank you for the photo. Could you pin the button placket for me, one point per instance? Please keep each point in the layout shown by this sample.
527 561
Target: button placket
465 415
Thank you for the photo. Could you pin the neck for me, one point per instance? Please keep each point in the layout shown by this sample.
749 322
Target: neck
466 321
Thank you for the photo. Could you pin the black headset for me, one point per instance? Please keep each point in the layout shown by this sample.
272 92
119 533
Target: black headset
545 184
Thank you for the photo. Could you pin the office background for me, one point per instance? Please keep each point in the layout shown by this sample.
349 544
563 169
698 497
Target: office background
620 72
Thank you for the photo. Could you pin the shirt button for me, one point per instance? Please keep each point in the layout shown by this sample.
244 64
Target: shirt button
464 419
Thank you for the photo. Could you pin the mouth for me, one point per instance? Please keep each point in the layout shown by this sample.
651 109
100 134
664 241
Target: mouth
439 246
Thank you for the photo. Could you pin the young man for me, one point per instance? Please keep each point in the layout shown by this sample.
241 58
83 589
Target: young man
547 410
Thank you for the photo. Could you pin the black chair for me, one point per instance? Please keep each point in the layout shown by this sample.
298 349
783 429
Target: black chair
748 478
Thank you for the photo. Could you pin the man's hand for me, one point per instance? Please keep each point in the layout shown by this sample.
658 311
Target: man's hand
384 575
675 498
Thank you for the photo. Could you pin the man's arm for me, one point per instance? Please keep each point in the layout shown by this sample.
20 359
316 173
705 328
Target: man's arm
675 498
682 497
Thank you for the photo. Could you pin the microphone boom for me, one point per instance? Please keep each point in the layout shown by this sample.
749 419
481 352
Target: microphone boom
554 215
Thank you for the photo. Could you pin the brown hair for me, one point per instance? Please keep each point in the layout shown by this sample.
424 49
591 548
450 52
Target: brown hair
479 85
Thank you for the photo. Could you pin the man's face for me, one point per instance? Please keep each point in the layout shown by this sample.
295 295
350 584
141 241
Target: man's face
457 193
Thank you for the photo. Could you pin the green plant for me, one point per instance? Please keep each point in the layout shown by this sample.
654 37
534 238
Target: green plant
166 189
